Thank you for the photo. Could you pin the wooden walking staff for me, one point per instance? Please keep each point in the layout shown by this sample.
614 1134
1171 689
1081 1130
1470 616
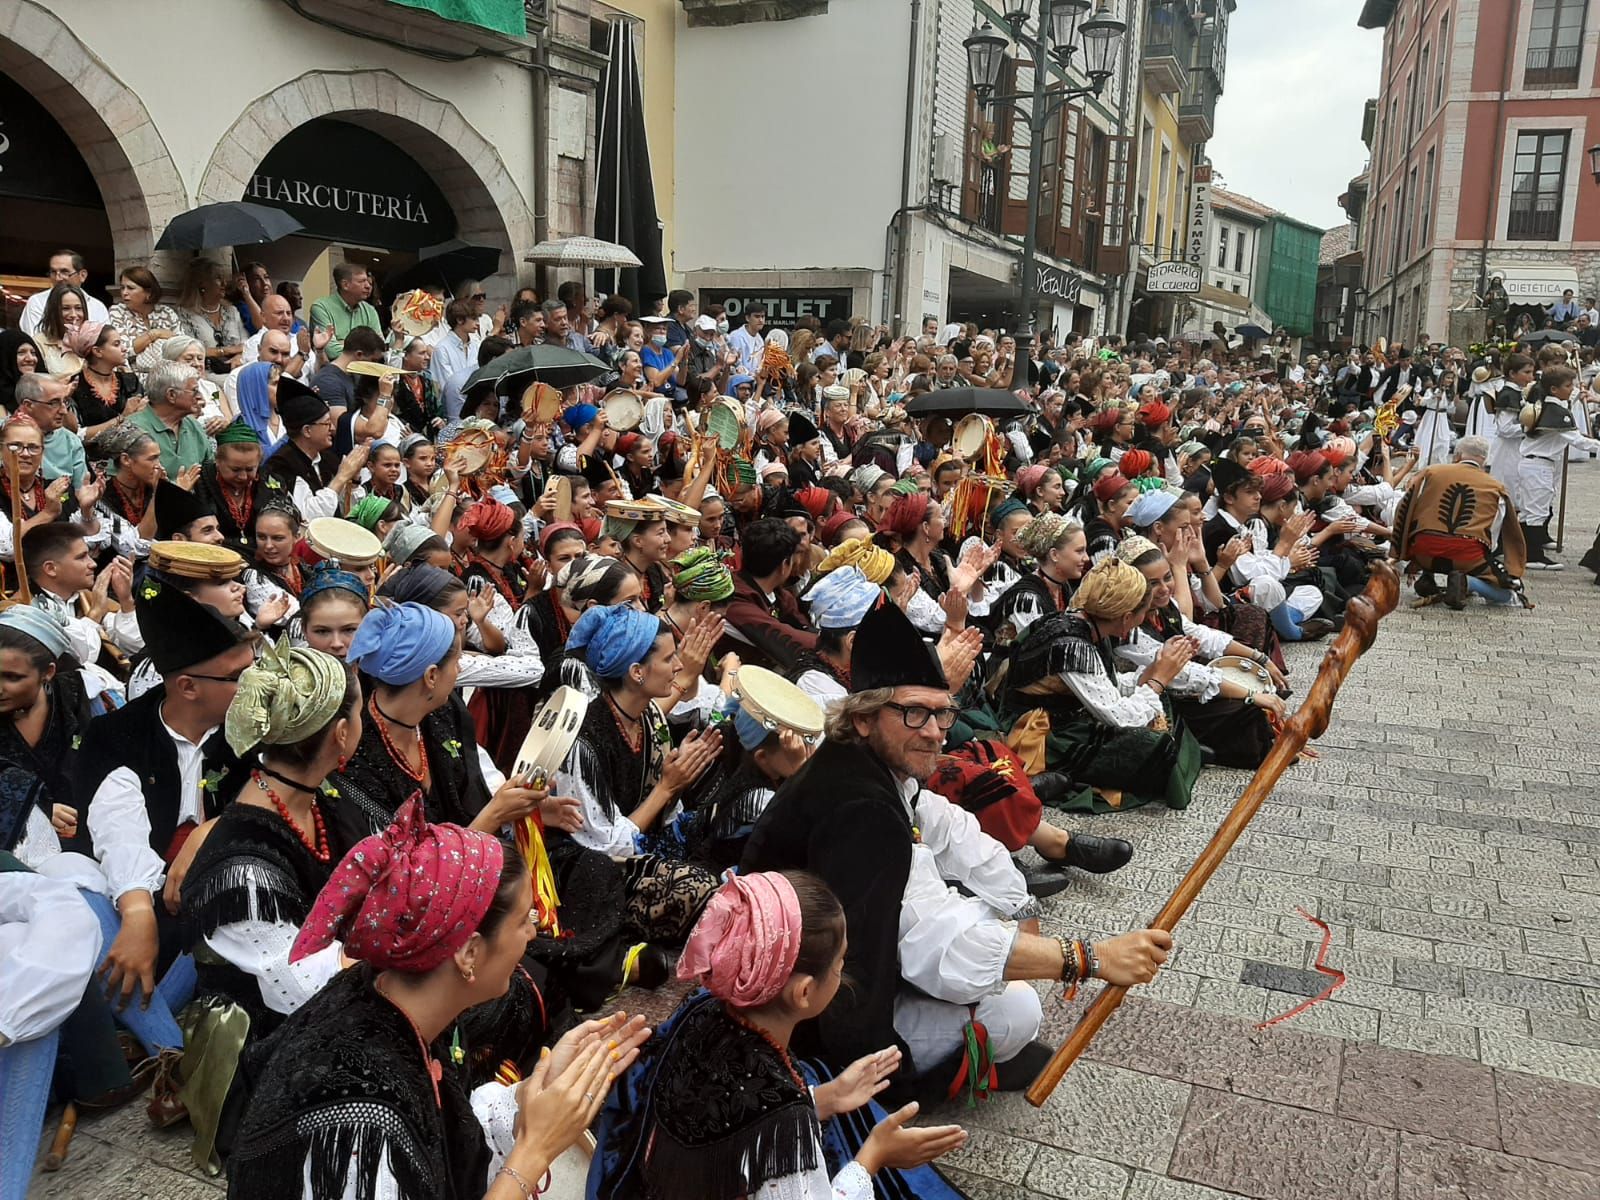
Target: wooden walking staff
1361 619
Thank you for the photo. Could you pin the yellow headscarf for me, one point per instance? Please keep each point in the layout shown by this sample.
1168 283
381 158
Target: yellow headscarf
1110 590
876 563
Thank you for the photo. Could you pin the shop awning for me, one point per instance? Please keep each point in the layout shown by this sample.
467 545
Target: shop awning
1536 283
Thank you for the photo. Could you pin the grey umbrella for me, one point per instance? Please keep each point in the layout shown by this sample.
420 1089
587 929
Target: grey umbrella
558 366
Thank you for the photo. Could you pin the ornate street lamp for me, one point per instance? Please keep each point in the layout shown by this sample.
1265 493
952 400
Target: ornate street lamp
1594 162
1062 30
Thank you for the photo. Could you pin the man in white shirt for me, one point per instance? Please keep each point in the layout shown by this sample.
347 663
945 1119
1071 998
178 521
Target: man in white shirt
66 266
271 346
153 772
455 356
748 342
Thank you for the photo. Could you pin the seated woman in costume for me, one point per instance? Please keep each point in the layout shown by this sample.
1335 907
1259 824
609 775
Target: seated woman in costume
701 587
588 581
331 609
1041 488
560 542
1114 494
496 652
295 717
364 1092
1273 571
417 736
626 774
1008 519
43 709
1173 522
838 602
769 953
1113 733
1222 714
774 736
1059 550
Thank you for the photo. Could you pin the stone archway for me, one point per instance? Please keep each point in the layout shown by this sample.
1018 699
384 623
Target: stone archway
490 209
139 183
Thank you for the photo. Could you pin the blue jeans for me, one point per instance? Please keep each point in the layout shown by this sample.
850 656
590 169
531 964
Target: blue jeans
1494 595
26 1069
1287 622
155 1026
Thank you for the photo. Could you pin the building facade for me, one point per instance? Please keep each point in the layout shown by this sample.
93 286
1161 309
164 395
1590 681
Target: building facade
1286 280
382 127
937 213
1183 70
1482 123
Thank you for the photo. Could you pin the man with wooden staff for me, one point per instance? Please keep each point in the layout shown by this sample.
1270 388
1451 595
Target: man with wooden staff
936 971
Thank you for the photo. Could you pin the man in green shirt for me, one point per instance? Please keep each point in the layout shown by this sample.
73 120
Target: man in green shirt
174 394
347 307
44 398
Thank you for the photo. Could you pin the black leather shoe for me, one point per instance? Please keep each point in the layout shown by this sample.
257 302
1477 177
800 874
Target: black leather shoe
1047 880
1455 590
1315 629
1427 585
1208 756
1017 1073
1051 786
651 969
1097 855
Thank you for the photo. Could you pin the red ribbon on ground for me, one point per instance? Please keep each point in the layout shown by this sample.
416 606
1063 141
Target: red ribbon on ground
1321 966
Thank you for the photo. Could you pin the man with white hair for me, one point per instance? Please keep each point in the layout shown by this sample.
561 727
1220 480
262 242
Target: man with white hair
1452 519
174 394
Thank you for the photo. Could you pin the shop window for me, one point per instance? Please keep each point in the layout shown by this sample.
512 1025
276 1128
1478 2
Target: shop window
1538 181
1555 44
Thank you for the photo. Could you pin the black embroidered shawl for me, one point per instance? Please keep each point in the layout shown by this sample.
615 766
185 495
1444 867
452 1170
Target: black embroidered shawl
1064 642
621 778
724 820
711 1113
40 776
344 1082
372 787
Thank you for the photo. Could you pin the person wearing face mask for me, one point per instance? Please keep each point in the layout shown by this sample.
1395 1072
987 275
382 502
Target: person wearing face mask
660 363
708 357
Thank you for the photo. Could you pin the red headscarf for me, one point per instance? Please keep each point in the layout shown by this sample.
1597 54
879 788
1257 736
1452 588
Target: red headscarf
1333 455
408 898
1306 465
1107 487
906 514
1030 477
1135 463
814 500
1154 412
829 529
1106 418
488 519
591 527
627 444
1276 486
550 530
1265 465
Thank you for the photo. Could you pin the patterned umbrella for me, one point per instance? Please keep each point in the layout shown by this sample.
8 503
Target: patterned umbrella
581 252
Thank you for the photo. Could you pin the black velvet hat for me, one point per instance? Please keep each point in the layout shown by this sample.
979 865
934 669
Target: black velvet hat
179 632
1225 473
889 652
177 509
802 429
298 405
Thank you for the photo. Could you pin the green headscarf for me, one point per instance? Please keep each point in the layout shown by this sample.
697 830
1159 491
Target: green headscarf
238 433
370 511
702 575
286 697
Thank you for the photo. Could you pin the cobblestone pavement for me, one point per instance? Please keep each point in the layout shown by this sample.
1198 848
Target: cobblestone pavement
1448 836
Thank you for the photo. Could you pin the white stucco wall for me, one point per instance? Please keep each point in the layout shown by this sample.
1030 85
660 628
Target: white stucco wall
789 139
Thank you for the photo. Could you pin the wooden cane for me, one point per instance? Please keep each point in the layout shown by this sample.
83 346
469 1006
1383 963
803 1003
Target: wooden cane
63 1140
23 596
1361 619
1561 523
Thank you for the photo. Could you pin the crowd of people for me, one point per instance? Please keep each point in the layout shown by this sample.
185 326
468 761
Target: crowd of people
287 596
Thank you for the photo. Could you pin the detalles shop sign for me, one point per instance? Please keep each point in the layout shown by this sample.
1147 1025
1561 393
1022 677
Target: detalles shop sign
347 184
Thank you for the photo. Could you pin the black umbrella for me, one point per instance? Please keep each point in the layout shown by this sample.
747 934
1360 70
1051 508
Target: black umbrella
448 263
1540 336
991 402
1252 331
231 223
558 366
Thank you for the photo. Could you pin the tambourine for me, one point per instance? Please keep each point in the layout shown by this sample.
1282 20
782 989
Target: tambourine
1247 673
624 411
541 403
971 435
776 703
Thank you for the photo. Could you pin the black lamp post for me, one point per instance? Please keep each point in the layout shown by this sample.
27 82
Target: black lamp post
1061 30
1594 162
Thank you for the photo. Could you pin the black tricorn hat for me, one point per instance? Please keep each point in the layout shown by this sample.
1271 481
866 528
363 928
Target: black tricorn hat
177 509
180 632
1225 473
298 405
802 429
889 652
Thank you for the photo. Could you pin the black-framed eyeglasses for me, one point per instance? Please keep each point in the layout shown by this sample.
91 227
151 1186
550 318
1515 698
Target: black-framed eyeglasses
24 448
480 295
916 715
234 678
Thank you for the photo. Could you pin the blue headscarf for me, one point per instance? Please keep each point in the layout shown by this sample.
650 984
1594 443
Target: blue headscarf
396 644
326 577
613 639
841 598
752 733
579 415
39 625
255 406
737 382
419 583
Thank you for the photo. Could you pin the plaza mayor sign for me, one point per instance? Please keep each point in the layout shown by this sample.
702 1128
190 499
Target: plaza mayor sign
348 184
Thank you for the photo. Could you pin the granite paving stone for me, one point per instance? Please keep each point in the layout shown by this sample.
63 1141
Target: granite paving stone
1419 1093
1431 1169
1075 1177
1312 1156
1549 1120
